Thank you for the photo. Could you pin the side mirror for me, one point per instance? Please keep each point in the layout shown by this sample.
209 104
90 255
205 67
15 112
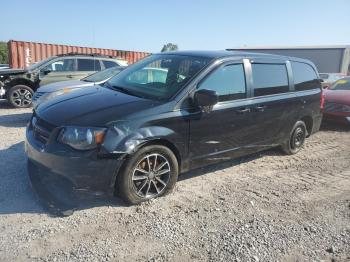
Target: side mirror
205 98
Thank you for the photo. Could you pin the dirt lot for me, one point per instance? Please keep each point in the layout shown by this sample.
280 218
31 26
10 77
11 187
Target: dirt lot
265 207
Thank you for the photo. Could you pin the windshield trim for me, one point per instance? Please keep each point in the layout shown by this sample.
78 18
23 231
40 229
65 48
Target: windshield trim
40 64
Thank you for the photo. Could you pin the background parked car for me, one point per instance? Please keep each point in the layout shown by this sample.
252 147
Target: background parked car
337 101
59 88
18 85
330 78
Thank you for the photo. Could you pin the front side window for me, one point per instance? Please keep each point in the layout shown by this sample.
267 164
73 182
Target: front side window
61 65
88 65
269 79
228 82
158 76
305 77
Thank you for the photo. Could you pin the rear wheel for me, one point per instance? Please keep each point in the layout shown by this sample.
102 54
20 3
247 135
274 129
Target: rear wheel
296 139
20 96
151 172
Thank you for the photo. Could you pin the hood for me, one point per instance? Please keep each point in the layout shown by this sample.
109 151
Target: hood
12 71
338 96
91 106
62 85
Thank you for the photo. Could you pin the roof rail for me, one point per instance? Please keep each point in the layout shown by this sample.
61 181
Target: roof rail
87 54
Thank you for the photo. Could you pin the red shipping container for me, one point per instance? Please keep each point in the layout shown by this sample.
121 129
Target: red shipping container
23 54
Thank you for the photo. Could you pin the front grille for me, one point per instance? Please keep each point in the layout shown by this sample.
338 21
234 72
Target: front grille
37 95
334 107
41 129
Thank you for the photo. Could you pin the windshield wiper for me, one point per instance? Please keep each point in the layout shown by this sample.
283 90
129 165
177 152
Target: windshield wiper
121 89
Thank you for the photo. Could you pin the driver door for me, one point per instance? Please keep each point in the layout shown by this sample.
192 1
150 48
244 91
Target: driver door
226 130
59 70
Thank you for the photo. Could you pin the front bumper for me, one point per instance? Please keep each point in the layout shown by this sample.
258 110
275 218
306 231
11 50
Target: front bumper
62 171
2 91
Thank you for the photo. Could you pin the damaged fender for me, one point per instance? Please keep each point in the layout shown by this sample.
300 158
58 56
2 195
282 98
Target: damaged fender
124 138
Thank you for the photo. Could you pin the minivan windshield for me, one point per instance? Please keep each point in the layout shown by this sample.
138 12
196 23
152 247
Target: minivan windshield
103 75
158 76
342 84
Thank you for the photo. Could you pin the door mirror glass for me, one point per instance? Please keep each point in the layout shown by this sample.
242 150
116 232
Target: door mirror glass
205 98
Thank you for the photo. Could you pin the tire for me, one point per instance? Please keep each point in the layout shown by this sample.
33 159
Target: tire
20 96
141 177
296 139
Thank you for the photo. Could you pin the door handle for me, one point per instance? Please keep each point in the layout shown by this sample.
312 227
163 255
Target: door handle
69 76
243 110
260 108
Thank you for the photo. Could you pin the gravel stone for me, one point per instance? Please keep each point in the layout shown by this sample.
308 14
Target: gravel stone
263 207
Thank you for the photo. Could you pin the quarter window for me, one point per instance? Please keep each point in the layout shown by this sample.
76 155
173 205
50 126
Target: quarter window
305 77
89 65
269 79
228 82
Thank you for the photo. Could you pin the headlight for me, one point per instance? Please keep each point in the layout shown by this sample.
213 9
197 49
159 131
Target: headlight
82 138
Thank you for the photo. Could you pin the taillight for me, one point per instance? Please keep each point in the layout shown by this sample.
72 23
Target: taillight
322 101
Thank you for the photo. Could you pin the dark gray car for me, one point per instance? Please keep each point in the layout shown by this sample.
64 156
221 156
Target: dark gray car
134 135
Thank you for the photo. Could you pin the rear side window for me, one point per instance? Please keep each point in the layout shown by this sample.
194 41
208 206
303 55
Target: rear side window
89 65
109 64
305 77
228 82
269 79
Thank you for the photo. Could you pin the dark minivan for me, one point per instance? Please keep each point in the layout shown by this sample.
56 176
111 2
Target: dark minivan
170 113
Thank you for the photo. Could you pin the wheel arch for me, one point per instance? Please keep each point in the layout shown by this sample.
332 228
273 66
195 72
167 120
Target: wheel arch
165 143
308 123
156 141
21 81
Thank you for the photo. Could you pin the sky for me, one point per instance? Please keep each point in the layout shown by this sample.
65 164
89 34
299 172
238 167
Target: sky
205 25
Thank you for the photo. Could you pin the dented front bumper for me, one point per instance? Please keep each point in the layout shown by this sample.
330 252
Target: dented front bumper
76 173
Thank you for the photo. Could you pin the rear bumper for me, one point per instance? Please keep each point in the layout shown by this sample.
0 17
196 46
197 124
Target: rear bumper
317 120
339 118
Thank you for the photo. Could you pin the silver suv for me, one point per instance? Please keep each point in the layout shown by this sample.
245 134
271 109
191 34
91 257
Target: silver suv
18 85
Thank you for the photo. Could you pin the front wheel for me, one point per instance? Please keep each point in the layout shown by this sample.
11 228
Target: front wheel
20 96
151 172
296 139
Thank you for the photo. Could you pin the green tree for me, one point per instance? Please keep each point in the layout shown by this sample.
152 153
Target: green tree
3 53
169 47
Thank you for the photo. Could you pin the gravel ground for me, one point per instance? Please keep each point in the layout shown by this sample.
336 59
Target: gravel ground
265 207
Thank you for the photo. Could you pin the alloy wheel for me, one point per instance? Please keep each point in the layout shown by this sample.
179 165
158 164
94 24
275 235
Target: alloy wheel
298 138
151 175
21 97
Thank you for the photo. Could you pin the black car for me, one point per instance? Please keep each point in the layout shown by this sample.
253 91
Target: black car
135 134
